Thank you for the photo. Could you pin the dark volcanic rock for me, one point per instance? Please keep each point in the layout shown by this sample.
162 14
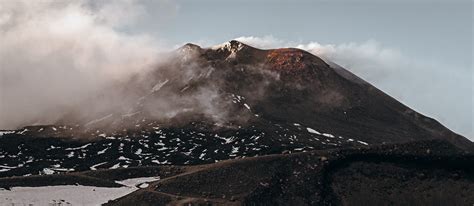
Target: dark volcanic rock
316 135
384 175
268 101
276 100
401 174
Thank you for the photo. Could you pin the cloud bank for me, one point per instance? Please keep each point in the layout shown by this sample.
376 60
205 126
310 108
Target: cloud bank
55 53
437 90
72 62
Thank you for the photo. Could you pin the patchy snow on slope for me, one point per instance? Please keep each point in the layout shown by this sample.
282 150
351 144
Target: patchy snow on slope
71 154
77 148
102 151
159 85
115 166
48 171
62 169
222 46
227 46
123 158
235 149
310 130
94 167
361 142
7 167
3 132
135 182
23 131
227 140
328 135
143 185
71 194
64 194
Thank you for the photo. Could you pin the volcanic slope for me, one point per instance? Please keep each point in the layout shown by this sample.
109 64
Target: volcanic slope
210 104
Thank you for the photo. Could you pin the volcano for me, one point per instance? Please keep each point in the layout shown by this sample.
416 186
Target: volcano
233 124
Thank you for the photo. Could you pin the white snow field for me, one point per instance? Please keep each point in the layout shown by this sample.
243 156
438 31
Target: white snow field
70 195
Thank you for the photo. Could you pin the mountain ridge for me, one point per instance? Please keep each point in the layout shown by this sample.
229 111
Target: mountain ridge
237 125
210 104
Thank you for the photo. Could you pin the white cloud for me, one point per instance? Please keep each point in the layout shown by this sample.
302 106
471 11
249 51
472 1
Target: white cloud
435 89
55 53
265 42
68 60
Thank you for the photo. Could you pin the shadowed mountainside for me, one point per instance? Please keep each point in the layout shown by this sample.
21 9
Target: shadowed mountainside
420 173
237 125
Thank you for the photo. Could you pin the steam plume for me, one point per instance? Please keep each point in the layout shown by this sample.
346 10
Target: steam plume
55 53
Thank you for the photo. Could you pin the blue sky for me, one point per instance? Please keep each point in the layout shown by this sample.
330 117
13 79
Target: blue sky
428 29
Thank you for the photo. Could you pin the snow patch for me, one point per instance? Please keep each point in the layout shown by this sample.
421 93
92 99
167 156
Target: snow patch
48 171
102 151
23 131
71 194
228 47
225 45
115 166
310 130
4 132
159 85
361 142
136 182
328 135
94 167
81 147
4 170
7 167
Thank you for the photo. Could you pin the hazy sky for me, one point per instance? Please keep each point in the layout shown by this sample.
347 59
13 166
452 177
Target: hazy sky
431 41
418 51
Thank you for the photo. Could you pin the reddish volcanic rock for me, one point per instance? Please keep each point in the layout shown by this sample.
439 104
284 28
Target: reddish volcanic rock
289 59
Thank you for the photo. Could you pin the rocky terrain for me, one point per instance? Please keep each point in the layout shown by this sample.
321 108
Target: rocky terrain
420 173
236 125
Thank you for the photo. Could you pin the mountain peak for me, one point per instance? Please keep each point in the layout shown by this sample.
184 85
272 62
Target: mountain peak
232 46
231 49
190 46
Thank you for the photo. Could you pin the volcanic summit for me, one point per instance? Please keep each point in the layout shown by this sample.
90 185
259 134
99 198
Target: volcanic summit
233 124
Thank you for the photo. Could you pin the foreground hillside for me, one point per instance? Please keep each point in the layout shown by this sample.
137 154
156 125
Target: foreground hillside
421 173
